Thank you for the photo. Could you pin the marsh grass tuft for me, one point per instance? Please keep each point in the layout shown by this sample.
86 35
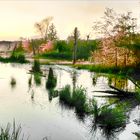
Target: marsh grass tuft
11 134
65 94
112 118
76 99
13 82
109 119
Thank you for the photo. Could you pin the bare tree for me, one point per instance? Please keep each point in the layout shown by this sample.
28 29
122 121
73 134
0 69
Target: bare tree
43 26
52 33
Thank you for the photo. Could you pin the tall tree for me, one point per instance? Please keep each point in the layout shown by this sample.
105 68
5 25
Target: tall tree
117 31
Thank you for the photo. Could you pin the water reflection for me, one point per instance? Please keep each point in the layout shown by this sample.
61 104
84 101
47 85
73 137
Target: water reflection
49 116
30 82
37 79
119 82
51 84
108 121
74 78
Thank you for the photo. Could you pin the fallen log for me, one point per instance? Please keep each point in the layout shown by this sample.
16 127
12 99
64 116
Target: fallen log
122 92
117 92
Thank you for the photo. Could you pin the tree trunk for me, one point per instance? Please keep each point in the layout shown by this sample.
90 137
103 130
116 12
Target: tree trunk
116 57
75 45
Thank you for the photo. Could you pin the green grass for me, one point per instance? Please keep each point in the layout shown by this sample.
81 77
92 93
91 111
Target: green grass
111 118
76 99
108 69
36 67
57 56
9 133
14 58
65 95
51 81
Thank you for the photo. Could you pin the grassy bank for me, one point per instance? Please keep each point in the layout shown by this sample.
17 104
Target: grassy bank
128 70
14 59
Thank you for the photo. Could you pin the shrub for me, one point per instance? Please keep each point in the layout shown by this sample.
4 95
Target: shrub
65 95
17 57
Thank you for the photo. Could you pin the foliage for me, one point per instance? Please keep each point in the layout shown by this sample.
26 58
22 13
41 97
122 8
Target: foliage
76 99
94 109
63 50
109 69
15 58
57 56
112 118
85 48
65 95
18 57
35 44
37 79
120 41
51 81
109 119
36 67
61 46
52 94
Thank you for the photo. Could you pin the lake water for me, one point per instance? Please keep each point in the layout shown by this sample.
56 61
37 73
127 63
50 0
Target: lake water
44 116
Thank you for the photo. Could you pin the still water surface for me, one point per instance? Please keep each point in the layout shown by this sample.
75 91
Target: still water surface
44 116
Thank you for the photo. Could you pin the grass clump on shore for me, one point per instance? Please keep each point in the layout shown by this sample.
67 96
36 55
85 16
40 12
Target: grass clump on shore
128 70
